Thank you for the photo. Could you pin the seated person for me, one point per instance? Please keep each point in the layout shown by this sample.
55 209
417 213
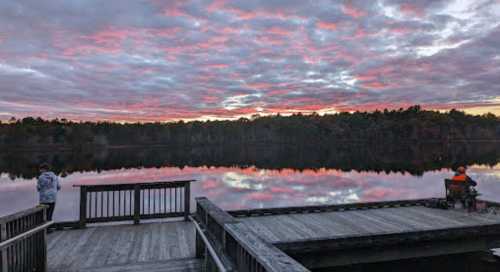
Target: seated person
460 189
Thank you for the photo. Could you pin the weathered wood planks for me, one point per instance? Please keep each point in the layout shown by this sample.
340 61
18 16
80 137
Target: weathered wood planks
177 265
120 246
285 228
328 237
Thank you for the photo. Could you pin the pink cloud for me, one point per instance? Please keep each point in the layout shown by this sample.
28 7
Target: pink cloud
400 30
279 31
216 5
351 10
326 26
217 66
260 85
411 10
375 85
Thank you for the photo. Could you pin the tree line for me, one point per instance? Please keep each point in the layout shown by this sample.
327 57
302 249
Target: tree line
404 125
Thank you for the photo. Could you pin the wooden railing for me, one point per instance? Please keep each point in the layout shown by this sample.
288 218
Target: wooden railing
333 208
239 248
23 241
212 219
122 202
212 260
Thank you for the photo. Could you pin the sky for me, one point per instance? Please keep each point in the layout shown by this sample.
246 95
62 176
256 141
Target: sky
153 60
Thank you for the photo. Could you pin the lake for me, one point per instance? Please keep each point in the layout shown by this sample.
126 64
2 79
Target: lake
257 176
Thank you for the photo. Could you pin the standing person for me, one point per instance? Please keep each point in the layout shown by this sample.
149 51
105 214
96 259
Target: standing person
47 187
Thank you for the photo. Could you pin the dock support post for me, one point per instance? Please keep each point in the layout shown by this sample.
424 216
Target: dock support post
83 207
137 204
187 201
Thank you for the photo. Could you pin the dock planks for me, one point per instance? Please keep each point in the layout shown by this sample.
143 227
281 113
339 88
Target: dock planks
167 246
327 237
312 226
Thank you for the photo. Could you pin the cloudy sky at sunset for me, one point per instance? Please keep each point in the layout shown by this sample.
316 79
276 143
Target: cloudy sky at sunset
153 60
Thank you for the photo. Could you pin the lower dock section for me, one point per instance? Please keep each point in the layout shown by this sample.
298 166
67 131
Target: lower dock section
167 246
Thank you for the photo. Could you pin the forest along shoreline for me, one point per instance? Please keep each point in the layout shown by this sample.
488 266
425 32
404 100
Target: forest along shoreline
403 126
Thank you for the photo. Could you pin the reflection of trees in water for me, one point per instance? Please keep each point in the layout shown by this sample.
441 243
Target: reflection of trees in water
413 159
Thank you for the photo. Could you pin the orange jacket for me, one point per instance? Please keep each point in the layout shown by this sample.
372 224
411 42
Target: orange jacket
460 177
464 178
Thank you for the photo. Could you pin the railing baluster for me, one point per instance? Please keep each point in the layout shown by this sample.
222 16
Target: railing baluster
137 208
95 204
107 204
149 201
83 206
164 200
102 204
187 200
143 205
175 198
154 201
113 204
131 195
171 200
125 202
119 203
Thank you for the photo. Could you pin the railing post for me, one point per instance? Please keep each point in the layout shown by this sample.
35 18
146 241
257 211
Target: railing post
137 204
83 206
200 247
187 200
45 267
3 252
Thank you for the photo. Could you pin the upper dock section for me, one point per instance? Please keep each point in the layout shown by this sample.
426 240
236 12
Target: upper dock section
337 235
292 228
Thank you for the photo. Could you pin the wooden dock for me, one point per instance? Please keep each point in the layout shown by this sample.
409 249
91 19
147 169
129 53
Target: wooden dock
339 238
167 246
292 239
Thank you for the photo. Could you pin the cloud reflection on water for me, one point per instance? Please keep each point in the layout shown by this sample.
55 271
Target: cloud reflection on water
238 188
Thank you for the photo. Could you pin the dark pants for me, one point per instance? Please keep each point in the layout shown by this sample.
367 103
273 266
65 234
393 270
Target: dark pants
50 210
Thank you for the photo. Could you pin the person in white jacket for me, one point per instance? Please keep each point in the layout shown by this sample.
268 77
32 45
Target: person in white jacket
47 187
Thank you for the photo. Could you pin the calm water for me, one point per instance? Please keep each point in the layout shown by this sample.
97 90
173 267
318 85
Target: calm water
256 177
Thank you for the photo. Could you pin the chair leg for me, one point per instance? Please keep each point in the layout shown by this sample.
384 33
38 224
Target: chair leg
473 204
